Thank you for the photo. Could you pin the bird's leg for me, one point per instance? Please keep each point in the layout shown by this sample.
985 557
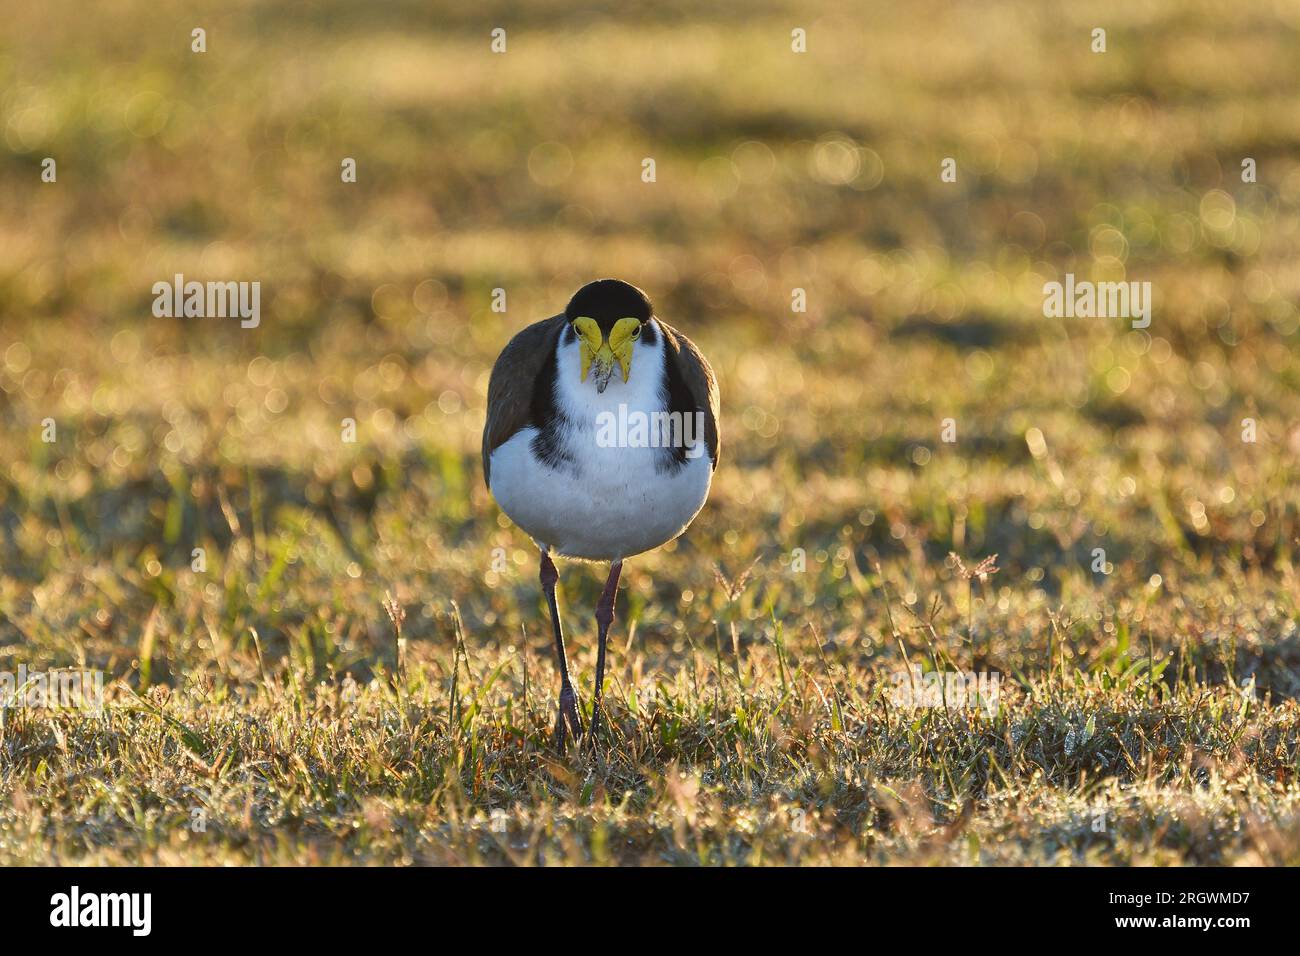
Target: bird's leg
604 617
568 699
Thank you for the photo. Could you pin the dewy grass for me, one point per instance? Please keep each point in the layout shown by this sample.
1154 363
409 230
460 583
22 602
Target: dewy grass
321 643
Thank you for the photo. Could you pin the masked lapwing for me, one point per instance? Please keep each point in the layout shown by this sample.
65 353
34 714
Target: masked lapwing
600 443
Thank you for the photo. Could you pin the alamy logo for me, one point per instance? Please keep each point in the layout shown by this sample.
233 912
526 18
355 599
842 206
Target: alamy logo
1098 300
637 429
52 690
103 909
956 690
179 299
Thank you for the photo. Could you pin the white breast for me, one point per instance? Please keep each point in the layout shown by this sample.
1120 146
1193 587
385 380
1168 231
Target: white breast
605 502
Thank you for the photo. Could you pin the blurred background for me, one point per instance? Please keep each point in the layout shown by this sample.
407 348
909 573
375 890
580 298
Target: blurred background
522 170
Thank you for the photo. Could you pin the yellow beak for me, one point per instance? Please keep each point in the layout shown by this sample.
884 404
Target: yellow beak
604 354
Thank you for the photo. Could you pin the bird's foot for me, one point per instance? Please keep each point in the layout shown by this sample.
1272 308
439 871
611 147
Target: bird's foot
557 739
568 714
594 729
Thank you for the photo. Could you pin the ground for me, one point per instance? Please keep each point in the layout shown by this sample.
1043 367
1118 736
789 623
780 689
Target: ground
318 650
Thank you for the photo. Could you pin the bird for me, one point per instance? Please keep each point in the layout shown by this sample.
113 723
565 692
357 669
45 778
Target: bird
600 442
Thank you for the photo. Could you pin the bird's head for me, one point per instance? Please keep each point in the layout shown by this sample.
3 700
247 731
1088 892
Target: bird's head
607 315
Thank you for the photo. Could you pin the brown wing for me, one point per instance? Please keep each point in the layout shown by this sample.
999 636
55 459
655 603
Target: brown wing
510 389
699 378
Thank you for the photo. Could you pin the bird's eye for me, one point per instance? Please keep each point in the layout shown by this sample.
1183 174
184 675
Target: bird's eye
636 333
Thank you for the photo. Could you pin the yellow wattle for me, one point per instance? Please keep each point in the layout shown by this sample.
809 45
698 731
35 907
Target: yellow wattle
593 346
592 340
620 343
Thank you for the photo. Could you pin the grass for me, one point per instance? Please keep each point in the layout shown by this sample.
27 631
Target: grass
266 709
